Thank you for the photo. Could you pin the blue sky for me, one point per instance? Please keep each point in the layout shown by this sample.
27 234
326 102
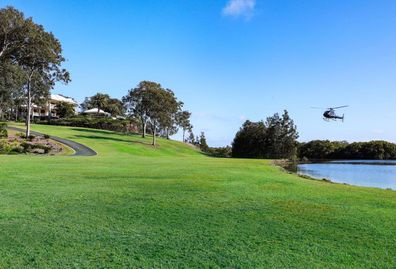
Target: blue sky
232 60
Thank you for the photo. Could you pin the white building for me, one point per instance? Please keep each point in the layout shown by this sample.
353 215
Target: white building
50 107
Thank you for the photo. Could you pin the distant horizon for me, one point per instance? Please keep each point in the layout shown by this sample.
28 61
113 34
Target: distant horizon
230 61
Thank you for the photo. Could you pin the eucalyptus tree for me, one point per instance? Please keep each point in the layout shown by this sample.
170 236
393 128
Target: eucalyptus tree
37 53
153 105
168 121
161 104
137 104
11 81
12 32
183 120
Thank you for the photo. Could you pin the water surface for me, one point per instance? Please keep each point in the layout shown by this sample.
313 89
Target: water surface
368 173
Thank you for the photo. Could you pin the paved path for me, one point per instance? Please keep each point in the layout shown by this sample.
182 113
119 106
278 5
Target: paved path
79 149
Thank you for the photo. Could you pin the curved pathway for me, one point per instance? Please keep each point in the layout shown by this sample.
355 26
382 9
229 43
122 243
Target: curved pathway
79 149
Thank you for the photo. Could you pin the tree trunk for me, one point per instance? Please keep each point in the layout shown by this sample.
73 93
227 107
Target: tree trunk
49 112
143 128
167 133
28 109
184 131
154 133
16 113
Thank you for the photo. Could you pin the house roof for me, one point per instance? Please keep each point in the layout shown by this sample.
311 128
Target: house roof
62 98
95 111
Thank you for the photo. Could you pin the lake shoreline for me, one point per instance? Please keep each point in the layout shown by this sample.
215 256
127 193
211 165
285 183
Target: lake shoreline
365 173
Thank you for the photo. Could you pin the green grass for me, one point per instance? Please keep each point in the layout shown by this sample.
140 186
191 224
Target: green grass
135 206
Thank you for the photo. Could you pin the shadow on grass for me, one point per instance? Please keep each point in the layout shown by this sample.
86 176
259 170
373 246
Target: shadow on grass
112 139
96 131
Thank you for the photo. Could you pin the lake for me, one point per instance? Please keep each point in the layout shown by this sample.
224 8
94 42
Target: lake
368 173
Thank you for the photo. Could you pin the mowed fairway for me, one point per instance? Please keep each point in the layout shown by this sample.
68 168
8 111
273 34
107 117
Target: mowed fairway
135 206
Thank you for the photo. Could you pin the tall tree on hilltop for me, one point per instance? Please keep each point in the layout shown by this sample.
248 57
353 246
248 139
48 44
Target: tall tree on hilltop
202 143
161 105
40 58
137 104
168 120
183 120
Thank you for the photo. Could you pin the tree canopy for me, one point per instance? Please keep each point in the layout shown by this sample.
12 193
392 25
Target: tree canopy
274 138
36 54
102 101
325 149
152 104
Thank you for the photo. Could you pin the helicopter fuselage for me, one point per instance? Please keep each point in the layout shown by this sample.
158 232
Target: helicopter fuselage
330 114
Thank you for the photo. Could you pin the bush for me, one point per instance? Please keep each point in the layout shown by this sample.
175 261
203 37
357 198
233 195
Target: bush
116 125
35 148
46 136
3 130
9 148
222 152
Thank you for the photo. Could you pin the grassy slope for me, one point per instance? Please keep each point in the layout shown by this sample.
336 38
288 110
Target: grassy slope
136 206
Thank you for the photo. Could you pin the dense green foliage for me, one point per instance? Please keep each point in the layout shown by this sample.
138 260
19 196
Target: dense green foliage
325 149
65 110
152 104
35 57
183 120
275 138
138 206
118 125
102 101
220 152
3 130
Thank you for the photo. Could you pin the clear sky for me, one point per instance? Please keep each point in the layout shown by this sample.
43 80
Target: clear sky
232 60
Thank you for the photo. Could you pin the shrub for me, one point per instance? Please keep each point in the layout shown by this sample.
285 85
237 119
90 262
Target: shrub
35 148
3 130
116 125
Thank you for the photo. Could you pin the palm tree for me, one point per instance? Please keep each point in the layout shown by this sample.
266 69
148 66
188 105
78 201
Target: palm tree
100 100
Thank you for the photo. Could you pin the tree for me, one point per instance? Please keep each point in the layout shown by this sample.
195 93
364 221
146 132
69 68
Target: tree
115 107
191 137
104 102
98 101
136 103
65 109
40 58
202 143
12 33
161 104
168 119
274 138
152 104
183 120
250 141
11 82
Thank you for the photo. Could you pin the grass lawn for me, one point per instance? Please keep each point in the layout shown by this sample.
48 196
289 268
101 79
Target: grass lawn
135 206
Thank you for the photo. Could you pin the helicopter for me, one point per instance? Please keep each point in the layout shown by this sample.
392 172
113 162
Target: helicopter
330 114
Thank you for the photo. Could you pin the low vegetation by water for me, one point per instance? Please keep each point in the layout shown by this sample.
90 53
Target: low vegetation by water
326 150
138 206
